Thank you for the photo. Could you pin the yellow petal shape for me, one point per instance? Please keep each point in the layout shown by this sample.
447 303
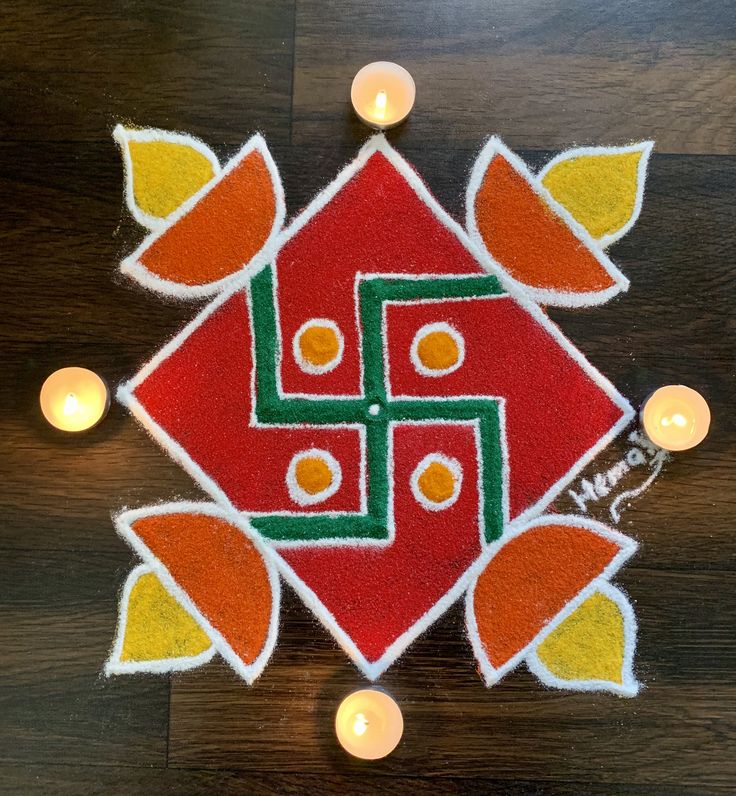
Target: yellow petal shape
156 627
163 170
589 644
602 188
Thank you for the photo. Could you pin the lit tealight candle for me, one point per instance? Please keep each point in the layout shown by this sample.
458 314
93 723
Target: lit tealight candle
369 724
383 94
74 399
675 417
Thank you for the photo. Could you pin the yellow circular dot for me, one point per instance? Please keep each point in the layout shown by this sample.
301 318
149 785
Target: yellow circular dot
438 350
313 474
437 482
319 345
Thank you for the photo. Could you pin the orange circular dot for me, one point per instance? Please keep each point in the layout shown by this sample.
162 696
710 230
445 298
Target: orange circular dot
313 474
319 345
438 350
437 483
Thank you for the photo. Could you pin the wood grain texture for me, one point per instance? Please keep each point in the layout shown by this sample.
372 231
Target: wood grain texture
542 75
453 723
57 614
654 334
63 780
71 71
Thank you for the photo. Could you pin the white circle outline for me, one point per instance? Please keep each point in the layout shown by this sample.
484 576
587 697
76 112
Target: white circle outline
428 328
301 496
453 465
309 367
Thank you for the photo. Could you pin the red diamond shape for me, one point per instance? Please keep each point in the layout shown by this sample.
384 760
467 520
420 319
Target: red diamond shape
197 399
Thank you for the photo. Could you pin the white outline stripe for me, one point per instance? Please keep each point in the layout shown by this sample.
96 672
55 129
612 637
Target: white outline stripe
494 146
115 664
454 468
554 332
124 525
351 541
375 144
643 147
629 686
627 547
427 329
132 266
373 669
123 136
226 510
298 493
305 364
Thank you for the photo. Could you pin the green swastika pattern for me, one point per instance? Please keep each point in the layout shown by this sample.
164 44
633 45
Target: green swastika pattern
271 408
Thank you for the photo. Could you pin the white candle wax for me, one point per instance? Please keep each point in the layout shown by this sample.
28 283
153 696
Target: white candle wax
676 417
383 94
74 399
369 724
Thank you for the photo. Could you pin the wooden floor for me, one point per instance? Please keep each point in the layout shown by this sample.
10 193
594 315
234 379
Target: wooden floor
543 74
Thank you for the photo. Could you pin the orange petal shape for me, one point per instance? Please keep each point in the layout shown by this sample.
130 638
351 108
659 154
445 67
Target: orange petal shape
532 237
216 233
217 572
531 578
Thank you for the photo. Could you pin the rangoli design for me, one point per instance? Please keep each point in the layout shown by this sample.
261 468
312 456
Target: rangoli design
379 409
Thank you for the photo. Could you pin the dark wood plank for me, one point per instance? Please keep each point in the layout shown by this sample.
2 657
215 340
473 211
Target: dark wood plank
60 780
58 612
656 333
66 217
543 75
454 725
540 74
71 71
59 489
67 220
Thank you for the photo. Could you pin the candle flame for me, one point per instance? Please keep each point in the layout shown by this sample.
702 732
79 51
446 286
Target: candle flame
360 725
381 103
674 420
71 404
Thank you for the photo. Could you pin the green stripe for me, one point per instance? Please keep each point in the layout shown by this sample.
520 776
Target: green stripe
272 409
